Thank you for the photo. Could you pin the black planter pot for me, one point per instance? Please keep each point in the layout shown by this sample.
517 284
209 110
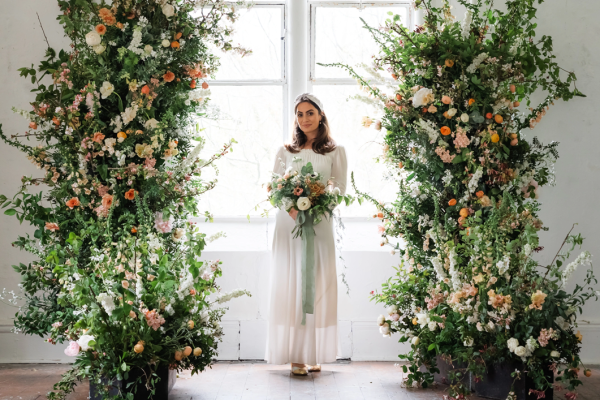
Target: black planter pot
162 387
497 381
445 368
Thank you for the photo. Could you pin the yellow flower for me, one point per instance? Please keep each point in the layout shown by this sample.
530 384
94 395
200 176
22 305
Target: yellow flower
579 336
537 299
478 278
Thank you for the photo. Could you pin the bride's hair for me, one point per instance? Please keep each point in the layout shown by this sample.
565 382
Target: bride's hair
322 144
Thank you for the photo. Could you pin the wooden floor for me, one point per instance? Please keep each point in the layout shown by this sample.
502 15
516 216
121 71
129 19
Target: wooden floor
254 381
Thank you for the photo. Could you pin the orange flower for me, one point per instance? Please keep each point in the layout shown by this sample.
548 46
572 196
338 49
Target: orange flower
449 63
101 29
33 125
512 88
452 202
488 115
380 215
120 25
130 194
479 194
398 96
107 201
495 138
108 18
193 84
178 36
52 226
122 135
74 202
447 115
471 101
204 85
134 230
445 130
146 90
56 121
169 76
98 137
498 118
175 44
464 212
516 104
395 76
400 165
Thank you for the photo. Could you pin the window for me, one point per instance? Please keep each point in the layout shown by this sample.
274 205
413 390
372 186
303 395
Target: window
338 36
248 95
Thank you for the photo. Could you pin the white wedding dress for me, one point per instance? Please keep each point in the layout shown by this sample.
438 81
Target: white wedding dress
288 340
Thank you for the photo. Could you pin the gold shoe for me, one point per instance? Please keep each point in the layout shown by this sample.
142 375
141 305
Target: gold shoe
314 368
300 371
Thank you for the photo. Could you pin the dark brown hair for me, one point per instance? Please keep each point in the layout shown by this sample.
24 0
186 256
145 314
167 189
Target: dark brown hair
322 144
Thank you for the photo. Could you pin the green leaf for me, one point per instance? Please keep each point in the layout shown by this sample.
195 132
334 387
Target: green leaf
457 159
431 347
10 211
103 171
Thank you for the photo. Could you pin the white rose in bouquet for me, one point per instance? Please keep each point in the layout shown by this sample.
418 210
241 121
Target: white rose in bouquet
432 325
178 234
168 10
99 49
415 340
165 43
303 203
464 117
84 342
380 320
93 39
391 310
423 97
555 354
468 341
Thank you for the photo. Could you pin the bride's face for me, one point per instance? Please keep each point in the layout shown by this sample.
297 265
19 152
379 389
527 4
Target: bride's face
308 117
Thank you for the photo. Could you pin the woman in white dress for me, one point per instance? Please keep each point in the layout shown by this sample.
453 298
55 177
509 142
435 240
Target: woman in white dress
307 345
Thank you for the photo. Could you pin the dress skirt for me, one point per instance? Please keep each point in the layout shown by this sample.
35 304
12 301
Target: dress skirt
288 340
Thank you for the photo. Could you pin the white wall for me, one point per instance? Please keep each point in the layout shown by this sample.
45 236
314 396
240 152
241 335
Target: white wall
245 252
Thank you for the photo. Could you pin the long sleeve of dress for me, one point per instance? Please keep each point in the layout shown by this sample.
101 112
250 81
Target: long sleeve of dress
279 167
339 169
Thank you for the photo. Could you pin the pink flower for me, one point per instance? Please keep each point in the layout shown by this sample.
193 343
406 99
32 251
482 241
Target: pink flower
154 320
162 225
298 191
125 284
57 324
395 317
73 349
380 229
150 163
571 395
102 190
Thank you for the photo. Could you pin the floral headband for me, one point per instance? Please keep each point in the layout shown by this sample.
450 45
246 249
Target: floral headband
311 97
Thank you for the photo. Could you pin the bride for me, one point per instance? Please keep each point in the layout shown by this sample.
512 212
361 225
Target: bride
307 345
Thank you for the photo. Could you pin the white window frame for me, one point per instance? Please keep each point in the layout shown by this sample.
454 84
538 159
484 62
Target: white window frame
283 81
314 5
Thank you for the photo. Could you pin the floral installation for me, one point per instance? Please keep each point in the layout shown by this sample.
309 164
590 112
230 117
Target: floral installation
468 286
118 275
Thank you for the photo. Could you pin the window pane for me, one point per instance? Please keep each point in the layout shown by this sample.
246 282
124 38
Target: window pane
341 38
362 145
258 29
252 115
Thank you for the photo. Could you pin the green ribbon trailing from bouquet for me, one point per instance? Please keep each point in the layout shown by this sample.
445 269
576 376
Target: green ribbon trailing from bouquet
304 224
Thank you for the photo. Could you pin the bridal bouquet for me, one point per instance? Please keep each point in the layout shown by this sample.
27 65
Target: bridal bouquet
306 193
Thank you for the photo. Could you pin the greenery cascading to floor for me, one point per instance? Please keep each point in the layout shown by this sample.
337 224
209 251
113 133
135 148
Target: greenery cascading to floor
468 287
118 272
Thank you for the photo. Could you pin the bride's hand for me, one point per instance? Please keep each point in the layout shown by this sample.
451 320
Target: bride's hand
293 213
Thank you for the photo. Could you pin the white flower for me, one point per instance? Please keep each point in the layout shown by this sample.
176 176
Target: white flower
93 38
585 258
560 321
430 129
151 124
423 97
432 325
422 319
464 117
512 344
129 114
466 25
555 354
84 342
106 89
148 49
99 49
165 43
531 345
521 351
415 341
303 203
178 234
168 10
468 341
385 329
452 112
225 297
381 320
336 191
503 265
107 302
391 310
527 250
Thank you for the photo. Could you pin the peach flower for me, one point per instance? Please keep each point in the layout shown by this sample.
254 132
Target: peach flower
52 226
74 202
537 299
125 284
101 29
98 137
446 99
107 201
130 194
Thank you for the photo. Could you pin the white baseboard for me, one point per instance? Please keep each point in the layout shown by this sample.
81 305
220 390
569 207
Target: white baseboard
246 340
